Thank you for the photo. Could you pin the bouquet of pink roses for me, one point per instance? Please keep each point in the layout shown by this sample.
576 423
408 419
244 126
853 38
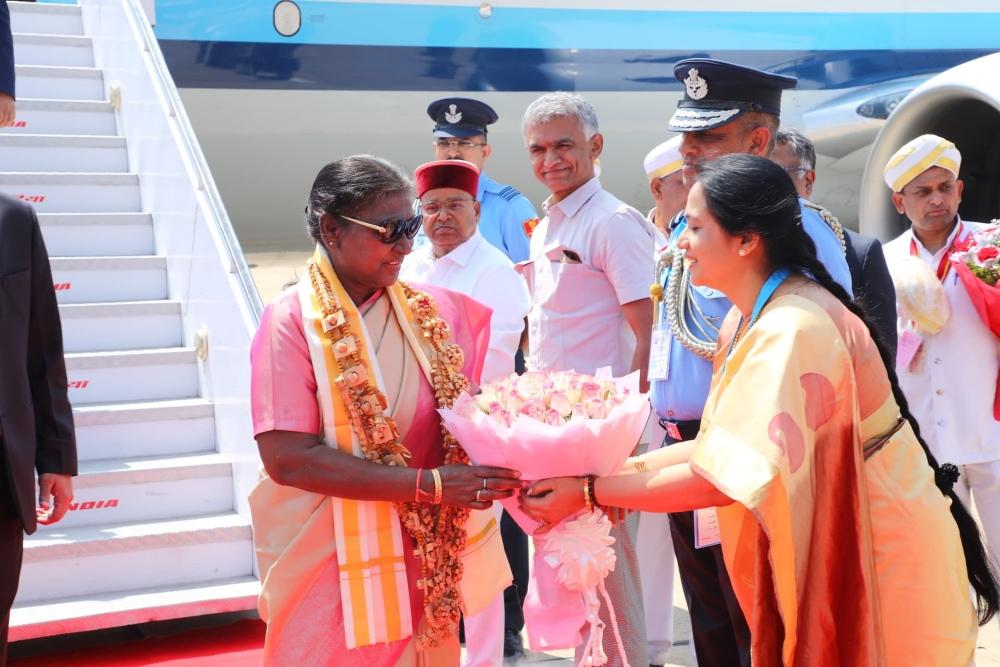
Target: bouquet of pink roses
552 425
977 263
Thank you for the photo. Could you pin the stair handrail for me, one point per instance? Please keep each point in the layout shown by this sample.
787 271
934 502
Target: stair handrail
198 170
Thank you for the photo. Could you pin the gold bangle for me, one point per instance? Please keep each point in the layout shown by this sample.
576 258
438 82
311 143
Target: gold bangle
437 486
588 500
640 465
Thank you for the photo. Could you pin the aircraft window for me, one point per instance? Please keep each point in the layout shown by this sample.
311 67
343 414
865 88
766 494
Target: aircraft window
287 18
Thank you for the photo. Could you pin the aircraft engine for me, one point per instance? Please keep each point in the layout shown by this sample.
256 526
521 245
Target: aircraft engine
961 104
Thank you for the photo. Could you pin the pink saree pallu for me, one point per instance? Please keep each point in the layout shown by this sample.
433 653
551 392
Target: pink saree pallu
340 575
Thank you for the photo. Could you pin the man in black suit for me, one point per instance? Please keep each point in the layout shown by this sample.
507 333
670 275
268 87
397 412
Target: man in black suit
36 421
6 68
873 287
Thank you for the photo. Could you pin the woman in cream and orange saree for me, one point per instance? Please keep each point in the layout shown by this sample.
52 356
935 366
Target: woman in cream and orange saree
368 519
841 534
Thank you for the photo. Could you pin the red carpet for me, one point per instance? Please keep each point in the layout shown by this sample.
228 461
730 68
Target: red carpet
236 645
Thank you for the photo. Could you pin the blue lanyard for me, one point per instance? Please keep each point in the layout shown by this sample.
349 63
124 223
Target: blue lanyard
767 291
763 296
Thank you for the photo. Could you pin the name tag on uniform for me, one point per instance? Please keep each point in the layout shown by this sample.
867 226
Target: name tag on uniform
659 354
706 528
906 350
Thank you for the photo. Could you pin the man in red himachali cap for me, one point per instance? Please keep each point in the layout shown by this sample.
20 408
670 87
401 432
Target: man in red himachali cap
460 258
451 212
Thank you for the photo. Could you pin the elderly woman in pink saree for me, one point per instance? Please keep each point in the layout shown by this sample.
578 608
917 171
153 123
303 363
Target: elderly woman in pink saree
368 514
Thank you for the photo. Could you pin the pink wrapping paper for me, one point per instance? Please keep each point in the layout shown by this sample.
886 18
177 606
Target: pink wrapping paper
554 615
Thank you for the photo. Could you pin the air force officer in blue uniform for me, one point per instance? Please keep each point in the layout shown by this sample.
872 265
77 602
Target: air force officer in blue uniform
506 216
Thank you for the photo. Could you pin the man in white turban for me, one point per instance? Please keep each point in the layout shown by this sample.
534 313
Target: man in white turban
663 169
948 359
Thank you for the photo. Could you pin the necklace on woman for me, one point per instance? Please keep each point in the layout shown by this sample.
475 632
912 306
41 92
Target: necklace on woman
764 295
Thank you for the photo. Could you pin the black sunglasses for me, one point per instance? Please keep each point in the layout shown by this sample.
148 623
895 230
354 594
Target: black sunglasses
393 229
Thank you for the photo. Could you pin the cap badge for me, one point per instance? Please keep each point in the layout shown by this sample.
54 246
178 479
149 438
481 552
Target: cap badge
453 115
697 87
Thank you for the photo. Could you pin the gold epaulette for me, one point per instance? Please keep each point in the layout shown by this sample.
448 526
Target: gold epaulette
831 221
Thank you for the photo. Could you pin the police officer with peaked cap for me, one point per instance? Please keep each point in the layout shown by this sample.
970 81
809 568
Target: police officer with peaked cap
726 108
460 134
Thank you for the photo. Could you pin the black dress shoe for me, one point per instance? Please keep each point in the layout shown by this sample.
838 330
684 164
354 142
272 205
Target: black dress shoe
513 647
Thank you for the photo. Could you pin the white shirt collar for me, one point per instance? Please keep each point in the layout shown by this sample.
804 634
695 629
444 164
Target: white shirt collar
572 204
463 253
947 242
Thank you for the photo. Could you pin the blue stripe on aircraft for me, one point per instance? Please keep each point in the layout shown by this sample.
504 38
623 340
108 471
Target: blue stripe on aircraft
206 64
418 25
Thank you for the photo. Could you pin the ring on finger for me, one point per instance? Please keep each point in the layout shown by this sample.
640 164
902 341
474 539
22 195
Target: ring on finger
478 491
485 479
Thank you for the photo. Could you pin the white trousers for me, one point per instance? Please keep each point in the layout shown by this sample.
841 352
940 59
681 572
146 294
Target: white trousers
656 576
655 550
981 481
484 630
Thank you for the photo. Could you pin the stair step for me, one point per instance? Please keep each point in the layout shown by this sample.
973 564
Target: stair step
60 19
97 234
107 279
74 193
125 325
109 610
114 558
61 153
116 491
134 375
57 83
62 117
55 50
144 429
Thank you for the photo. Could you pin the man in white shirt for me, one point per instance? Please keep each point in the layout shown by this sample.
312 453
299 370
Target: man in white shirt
589 274
950 377
589 270
666 184
459 258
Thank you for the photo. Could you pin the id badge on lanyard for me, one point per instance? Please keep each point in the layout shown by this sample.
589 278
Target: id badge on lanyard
659 353
706 528
909 346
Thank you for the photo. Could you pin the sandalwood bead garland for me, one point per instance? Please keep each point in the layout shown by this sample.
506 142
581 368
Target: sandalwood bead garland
438 531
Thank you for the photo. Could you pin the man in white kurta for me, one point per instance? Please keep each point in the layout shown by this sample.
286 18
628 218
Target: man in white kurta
589 274
458 257
949 377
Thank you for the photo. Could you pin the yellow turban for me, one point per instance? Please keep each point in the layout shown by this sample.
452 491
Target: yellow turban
918 156
665 159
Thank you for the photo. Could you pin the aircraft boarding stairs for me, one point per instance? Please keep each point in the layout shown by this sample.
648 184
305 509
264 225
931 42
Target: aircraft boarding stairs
157 312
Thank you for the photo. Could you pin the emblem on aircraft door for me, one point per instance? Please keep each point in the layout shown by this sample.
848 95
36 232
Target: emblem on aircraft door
452 115
287 18
696 86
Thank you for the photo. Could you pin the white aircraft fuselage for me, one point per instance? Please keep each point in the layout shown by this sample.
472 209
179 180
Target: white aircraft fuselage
276 90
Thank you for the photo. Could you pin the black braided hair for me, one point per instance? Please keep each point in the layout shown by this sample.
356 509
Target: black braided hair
746 193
